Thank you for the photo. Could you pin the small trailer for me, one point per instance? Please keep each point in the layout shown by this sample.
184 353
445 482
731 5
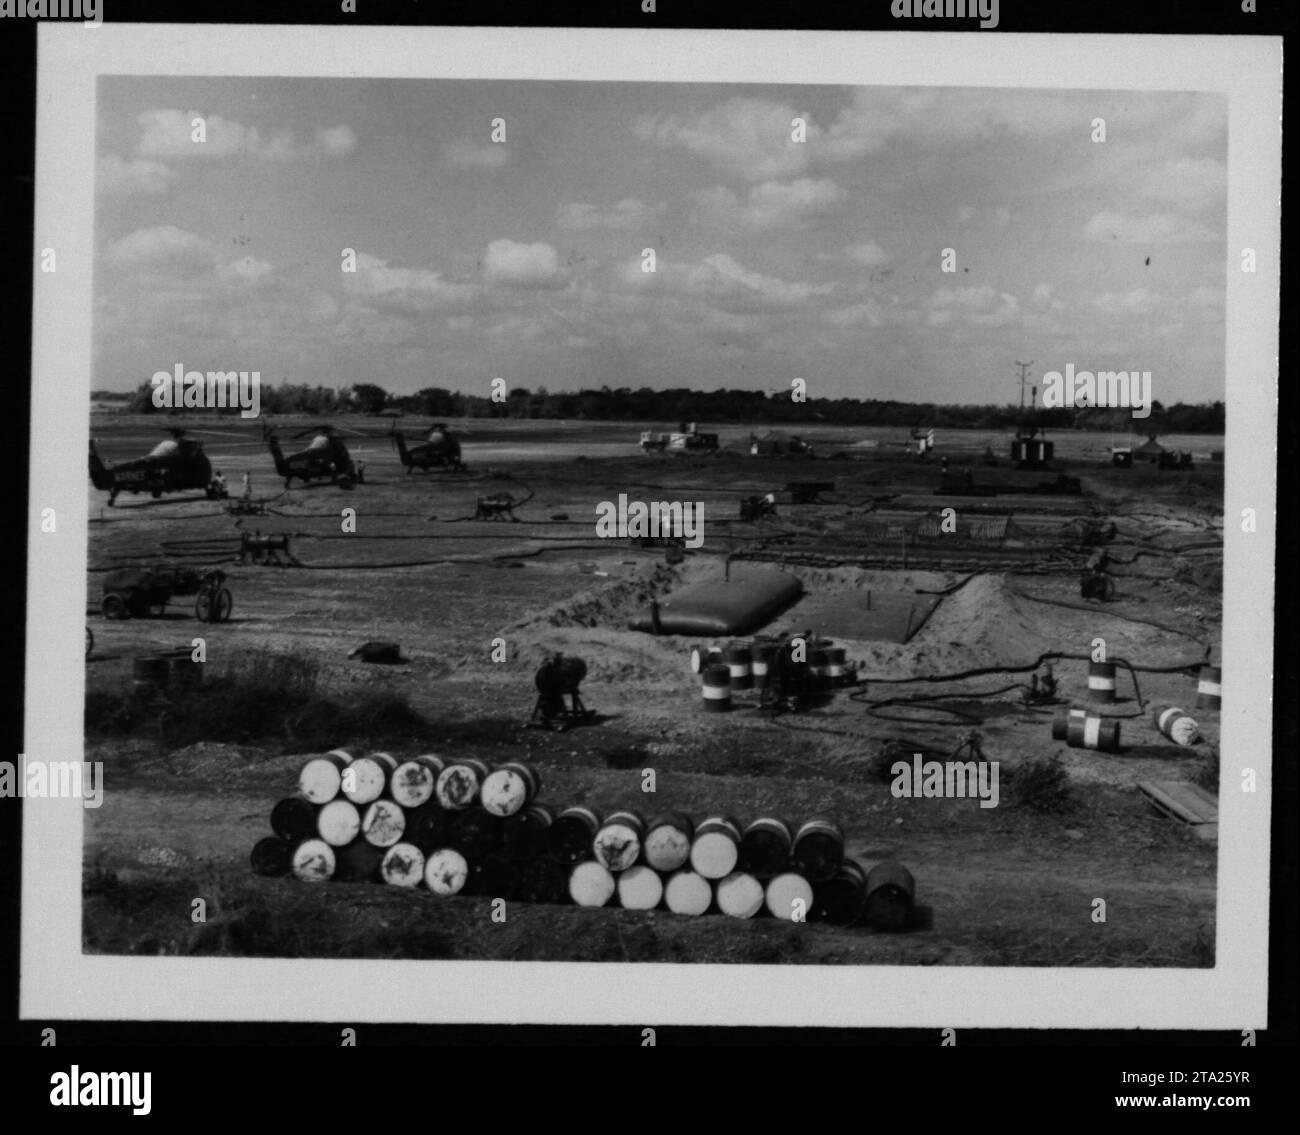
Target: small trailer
140 592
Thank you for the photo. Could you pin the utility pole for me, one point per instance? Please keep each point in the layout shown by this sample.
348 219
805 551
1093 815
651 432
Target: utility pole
1024 374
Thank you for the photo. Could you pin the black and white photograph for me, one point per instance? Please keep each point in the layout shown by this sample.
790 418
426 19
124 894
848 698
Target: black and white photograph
784 539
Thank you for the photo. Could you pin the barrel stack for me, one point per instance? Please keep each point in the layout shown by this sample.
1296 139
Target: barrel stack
462 827
743 667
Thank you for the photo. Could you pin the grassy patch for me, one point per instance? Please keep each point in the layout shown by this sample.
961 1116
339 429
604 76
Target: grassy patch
1041 784
263 696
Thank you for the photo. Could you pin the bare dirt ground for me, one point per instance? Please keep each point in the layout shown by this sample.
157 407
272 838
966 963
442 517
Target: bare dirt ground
997 886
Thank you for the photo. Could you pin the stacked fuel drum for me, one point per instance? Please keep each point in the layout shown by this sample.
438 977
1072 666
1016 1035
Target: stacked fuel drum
459 827
742 666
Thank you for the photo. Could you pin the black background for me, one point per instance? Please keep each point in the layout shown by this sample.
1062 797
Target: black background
199 1072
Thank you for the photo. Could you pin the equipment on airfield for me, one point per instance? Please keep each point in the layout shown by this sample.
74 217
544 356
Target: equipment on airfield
559 676
755 508
326 457
440 449
497 506
264 548
170 467
140 592
791 683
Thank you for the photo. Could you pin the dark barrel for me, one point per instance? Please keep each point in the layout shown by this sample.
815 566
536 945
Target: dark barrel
667 843
150 675
543 880
739 659
272 856
1062 722
359 862
475 833
761 659
523 835
494 877
184 673
428 826
841 899
294 819
818 849
764 848
571 835
890 894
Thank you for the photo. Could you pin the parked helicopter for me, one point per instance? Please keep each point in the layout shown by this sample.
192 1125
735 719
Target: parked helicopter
439 450
172 466
326 457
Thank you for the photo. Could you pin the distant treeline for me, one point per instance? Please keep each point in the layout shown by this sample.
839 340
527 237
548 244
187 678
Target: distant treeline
705 407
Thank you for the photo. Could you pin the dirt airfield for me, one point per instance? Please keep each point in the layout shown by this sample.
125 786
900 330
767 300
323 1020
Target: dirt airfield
1008 885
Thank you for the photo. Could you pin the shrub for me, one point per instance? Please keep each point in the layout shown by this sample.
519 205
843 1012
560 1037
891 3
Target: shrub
1041 784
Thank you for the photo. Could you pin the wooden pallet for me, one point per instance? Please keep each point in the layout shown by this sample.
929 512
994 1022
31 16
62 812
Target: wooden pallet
1186 802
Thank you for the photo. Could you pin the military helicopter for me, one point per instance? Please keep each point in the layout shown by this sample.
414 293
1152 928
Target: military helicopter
326 457
439 450
170 467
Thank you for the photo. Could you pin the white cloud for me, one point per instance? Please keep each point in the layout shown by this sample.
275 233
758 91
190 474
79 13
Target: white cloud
336 140
132 176
626 214
516 265
1188 183
164 249
475 155
773 204
1139 301
246 270
751 138
868 255
867 313
1153 228
407 289
170 133
720 283
978 306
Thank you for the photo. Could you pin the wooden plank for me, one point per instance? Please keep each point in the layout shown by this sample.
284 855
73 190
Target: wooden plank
1183 800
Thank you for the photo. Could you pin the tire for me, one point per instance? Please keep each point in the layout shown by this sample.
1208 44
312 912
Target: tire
90 641
203 606
114 606
225 603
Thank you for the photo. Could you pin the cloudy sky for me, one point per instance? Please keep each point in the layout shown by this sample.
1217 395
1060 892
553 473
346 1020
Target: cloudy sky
775 259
